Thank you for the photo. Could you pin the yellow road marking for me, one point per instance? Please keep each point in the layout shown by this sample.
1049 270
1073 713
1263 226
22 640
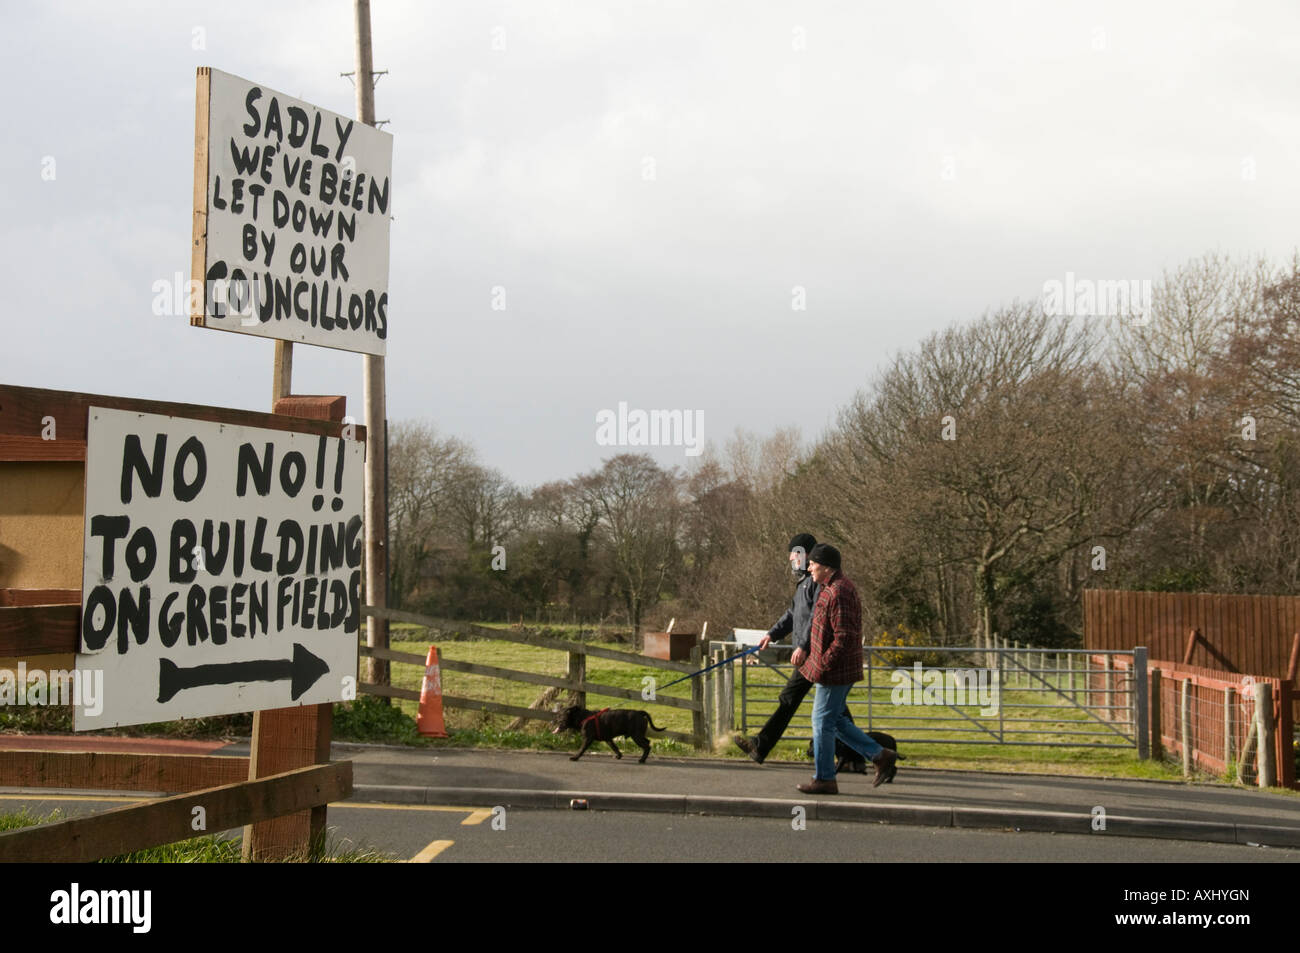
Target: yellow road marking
433 850
478 817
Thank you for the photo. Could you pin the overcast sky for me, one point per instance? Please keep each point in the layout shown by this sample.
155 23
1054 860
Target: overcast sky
649 184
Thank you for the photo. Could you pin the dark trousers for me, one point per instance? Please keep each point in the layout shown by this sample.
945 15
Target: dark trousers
787 703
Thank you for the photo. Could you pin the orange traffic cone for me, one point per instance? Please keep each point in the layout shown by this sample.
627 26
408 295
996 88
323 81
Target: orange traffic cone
429 721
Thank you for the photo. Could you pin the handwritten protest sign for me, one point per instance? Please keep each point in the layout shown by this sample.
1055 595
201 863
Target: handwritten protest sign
291 214
222 567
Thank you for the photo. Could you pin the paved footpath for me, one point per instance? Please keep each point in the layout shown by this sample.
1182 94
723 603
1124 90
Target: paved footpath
485 778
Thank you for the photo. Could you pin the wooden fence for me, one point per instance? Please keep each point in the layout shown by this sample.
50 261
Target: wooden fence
166 820
1207 718
1257 634
575 681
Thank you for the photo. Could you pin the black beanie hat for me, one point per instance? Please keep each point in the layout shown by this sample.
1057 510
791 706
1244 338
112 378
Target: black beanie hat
806 541
825 554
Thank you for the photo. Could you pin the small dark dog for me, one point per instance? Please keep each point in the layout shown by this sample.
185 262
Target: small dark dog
606 725
848 759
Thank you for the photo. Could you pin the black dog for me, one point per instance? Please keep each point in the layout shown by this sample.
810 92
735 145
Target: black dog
606 725
847 758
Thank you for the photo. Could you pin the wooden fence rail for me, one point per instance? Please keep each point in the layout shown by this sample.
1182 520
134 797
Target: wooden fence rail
576 682
167 820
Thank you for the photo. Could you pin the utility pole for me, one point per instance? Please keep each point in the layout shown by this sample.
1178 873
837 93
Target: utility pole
376 428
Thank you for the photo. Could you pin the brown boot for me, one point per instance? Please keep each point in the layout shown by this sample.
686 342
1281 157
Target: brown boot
817 786
885 769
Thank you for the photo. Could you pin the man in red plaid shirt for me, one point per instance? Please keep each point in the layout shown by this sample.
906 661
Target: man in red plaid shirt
834 663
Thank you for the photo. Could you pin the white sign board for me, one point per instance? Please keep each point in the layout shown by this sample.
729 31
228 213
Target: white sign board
748 636
291 211
222 568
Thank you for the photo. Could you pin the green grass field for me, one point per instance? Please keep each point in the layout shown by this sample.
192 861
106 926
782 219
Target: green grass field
482 728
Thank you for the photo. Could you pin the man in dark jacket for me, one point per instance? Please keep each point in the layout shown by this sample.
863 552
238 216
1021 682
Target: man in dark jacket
797 622
834 663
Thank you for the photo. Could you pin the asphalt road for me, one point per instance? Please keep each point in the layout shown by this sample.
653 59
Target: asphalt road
450 834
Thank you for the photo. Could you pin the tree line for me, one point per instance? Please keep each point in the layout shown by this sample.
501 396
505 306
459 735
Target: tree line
976 484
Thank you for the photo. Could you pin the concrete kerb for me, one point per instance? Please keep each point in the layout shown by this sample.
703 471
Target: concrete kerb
1053 822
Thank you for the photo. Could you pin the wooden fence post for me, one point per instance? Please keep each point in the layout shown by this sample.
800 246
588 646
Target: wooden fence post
1139 703
1157 715
1264 713
578 674
698 722
285 739
1108 687
1185 725
1229 741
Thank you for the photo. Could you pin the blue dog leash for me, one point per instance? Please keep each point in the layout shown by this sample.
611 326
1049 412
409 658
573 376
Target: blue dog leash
748 651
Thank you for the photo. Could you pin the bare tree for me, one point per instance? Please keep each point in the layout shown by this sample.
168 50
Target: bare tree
640 513
420 467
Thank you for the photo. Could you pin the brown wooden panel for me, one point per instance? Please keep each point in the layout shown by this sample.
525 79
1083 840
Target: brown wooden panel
1288 619
22 409
1182 624
39 630
34 449
1089 617
1246 626
317 407
1145 636
1127 620
166 820
39 597
285 739
118 771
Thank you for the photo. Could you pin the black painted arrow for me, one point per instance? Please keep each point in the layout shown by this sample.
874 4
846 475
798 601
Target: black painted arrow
303 671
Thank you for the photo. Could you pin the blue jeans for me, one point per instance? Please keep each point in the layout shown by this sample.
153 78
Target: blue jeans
828 723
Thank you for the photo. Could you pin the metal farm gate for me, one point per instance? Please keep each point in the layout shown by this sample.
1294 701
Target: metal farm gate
976 696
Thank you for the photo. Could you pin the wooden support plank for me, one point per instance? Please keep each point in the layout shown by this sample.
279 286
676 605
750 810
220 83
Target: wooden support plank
313 406
28 449
39 630
118 771
23 408
199 225
164 821
285 739
40 597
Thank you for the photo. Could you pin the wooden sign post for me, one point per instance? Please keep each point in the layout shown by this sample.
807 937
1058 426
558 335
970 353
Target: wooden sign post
290 241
